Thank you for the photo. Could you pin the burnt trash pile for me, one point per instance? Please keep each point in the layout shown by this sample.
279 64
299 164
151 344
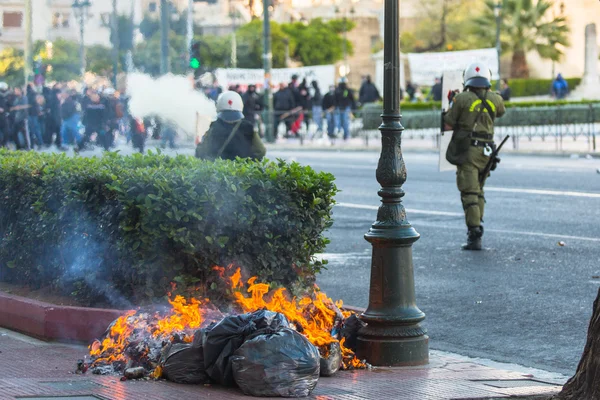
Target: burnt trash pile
262 353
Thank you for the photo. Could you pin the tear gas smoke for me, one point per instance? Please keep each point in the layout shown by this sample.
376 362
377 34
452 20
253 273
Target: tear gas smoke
171 98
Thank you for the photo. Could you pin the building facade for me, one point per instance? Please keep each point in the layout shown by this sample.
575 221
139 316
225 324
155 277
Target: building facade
53 19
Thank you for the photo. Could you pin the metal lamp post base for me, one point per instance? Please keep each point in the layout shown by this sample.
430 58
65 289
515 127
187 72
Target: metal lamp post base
393 336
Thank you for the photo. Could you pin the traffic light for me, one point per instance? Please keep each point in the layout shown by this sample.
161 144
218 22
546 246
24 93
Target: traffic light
195 56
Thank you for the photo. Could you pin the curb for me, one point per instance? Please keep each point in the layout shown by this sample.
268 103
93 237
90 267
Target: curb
51 322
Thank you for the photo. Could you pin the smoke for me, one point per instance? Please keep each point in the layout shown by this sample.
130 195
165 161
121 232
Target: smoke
171 98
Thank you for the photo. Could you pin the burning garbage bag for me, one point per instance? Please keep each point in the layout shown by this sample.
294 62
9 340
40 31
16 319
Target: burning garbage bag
277 363
184 363
229 334
352 325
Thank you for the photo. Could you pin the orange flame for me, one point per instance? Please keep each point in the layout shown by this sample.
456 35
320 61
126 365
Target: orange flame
317 317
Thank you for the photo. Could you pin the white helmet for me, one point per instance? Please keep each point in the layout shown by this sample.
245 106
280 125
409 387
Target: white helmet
230 106
477 75
3 86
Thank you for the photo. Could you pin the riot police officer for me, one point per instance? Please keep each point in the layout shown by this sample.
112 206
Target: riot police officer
231 135
472 117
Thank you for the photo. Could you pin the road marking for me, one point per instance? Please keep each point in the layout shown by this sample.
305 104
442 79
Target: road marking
545 192
408 210
450 214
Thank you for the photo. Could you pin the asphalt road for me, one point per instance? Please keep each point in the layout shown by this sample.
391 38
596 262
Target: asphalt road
525 299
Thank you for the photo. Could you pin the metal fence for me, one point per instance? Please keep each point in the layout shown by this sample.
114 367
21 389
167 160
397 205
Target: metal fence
557 128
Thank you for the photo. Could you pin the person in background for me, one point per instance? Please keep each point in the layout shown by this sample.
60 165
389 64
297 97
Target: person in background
305 102
251 104
560 87
368 92
114 112
317 106
19 112
231 135
94 120
504 90
436 91
283 103
4 106
329 105
71 120
167 134
410 91
345 103
35 112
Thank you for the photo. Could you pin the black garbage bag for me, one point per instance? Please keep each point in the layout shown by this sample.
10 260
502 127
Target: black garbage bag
352 325
184 363
277 364
229 334
333 362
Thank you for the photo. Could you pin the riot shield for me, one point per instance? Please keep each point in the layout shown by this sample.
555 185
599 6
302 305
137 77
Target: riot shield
452 84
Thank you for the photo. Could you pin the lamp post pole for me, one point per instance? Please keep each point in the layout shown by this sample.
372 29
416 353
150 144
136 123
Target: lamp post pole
393 335
165 15
268 63
498 14
80 7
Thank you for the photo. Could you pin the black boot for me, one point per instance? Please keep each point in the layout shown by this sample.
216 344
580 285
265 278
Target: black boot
474 238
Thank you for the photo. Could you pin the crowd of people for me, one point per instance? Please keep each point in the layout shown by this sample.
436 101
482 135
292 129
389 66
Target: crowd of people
299 102
42 117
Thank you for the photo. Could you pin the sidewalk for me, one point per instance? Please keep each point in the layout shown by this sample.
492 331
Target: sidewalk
35 369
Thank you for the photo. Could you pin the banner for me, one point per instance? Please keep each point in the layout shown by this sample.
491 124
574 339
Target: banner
323 74
425 67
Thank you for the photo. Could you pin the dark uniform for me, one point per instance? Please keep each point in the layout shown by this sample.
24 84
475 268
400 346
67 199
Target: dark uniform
245 143
462 117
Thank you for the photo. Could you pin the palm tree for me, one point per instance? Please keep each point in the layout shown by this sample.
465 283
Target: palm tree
526 25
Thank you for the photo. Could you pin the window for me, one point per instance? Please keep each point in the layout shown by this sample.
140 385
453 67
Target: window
12 19
66 20
152 7
56 20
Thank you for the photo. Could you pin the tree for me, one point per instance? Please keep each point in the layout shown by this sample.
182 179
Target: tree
444 25
526 26
318 42
64 59
584 385
147 55
250 45
11 66
149 26
99 60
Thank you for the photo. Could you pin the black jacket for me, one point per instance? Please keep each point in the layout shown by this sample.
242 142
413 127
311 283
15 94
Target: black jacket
329 100
68 108
344 97
368 93
94 115
284 100
244 144
251 105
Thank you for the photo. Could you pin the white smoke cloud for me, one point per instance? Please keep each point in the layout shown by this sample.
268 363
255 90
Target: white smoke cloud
172 98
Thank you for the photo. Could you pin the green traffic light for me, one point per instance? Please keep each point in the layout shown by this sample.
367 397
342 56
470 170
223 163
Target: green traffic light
195 63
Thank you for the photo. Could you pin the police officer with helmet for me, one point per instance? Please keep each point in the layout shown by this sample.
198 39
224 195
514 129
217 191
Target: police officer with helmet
472 117
231 135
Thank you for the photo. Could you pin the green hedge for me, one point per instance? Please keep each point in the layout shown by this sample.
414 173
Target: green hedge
119 229
518 114
535 87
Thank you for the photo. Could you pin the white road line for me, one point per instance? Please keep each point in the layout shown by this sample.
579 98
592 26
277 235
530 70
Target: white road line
451 214
545 192
408 210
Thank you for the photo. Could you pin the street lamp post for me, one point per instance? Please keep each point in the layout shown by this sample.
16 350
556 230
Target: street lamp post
393 335
498 15
80 8
268 116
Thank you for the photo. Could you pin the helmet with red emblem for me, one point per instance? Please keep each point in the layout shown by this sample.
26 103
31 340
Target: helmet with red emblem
230 106
477 75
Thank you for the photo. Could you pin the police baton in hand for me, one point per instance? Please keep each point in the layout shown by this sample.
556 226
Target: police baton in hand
494 160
